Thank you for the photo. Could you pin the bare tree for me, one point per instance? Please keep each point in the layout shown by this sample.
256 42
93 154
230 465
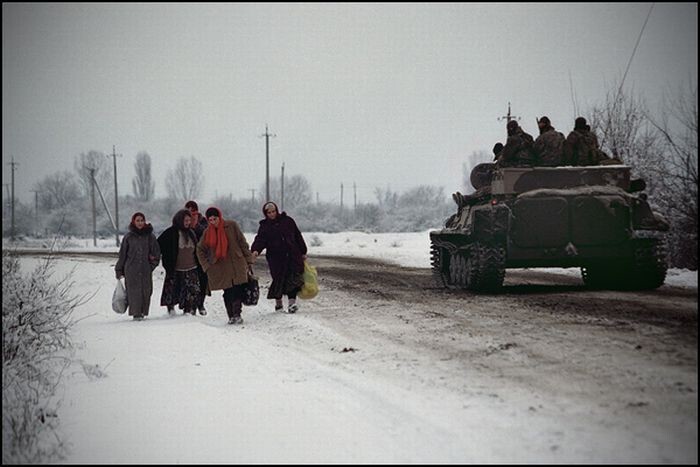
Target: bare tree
386 199
678 171
103 171
625 133
142 183
185 181
57 190
297 191
664 153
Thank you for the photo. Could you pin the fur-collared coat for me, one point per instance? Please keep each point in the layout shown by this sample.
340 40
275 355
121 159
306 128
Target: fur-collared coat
168 242
139 255
229 271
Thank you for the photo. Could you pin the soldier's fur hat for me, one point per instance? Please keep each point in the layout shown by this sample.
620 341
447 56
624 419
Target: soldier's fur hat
580 123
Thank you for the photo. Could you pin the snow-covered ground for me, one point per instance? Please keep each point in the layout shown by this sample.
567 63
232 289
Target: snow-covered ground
194 390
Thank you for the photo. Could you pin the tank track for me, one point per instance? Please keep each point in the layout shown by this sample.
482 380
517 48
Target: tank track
645 271
480 270
436 262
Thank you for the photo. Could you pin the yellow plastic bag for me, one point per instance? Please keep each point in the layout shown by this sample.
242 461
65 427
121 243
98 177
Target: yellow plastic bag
310 287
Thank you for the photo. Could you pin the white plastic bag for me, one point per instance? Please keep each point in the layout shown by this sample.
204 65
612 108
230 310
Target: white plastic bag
119 303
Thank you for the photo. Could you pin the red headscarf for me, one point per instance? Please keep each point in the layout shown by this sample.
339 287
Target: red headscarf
215 237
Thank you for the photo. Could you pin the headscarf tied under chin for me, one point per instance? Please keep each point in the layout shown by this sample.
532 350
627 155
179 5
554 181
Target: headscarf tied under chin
215 237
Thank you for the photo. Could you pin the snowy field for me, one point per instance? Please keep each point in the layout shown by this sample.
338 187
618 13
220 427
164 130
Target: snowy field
194 390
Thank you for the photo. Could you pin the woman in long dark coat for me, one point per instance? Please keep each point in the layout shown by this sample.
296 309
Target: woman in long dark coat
286 252
139 255
181 286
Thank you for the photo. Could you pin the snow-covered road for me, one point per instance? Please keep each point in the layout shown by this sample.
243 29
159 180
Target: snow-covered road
370 373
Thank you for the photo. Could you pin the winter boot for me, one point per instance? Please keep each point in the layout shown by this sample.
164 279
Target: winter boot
236 308
279 306
293 307
228 303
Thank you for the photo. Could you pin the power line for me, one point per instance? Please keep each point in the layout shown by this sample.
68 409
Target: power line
634 51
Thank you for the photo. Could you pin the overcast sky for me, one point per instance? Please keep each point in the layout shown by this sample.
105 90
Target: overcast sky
381 95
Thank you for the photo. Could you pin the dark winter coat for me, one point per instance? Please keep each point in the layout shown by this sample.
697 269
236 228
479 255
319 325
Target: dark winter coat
581 148
549 148
168 242
284 243
229 271
517 150
139 255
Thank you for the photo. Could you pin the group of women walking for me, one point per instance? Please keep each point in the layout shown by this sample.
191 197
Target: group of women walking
202 254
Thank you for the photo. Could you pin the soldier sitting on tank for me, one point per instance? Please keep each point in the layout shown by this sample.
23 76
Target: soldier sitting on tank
581 146
549 145
517 151
497 148
480 177
471 199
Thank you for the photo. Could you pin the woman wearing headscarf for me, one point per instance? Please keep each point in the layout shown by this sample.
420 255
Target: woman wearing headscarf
139 255
199 225
181 286
286 252
224 255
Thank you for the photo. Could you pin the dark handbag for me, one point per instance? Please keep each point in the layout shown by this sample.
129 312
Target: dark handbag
252 290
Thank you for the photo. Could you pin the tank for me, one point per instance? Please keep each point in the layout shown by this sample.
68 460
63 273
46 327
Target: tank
594 217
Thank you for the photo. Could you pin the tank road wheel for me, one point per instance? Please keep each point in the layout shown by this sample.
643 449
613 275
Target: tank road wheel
485 269
456 270
440 265
650 266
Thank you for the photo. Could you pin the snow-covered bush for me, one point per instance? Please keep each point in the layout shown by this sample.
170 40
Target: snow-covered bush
36 319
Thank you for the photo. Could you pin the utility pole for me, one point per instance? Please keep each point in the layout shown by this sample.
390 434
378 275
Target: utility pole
94 211
341 197
116 195
354 189
282 189
267 162
252 199
36 207
6 204
12 200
